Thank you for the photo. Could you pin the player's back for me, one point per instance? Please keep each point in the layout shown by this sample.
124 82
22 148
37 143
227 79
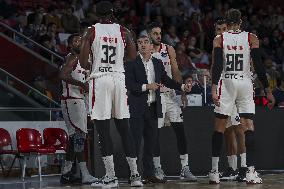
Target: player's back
107 49
72 91
236 49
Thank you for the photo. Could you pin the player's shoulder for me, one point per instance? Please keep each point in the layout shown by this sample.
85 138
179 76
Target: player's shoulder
218 40
169 48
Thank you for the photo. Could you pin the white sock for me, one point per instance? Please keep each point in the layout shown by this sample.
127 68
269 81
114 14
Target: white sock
67 167
184 160
234 162
230 161
109 165
215 161
132 162
157 162
84 169
251 168
243 159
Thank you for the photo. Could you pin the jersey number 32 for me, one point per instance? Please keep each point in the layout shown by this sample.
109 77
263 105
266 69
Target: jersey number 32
109 52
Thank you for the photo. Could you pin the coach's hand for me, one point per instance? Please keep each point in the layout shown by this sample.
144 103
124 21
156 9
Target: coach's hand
152 86
184 100
215 95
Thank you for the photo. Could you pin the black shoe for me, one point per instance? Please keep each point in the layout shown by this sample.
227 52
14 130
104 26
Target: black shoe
69 178
242 174
229 175
153 179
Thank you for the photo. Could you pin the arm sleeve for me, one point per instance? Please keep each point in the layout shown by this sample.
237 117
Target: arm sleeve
217 67
259 67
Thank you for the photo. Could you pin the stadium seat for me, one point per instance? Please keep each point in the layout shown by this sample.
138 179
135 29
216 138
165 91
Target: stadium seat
29 141
52 136
5 141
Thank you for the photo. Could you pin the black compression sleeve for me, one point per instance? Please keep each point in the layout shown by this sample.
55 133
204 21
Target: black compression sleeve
217 67
259 67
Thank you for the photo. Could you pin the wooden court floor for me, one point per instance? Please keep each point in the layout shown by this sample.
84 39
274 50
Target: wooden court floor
271 181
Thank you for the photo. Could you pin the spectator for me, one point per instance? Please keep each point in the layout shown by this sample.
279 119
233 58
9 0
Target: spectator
52 17
278 93
91 14
272 74
280 54
184 38
70 22
52 34
133 19
152 8
79 13
194 8
170 37
266 48
170 10
46 41
198 57
36 17
7 10
183 61
199 86
195 29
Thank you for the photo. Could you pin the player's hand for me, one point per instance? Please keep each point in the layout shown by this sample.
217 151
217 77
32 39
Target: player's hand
152 86
271 100
215 96
184 100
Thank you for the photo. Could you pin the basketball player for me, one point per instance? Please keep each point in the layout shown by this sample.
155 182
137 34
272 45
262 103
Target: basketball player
108 43
233 129
233 51
74 111
171 110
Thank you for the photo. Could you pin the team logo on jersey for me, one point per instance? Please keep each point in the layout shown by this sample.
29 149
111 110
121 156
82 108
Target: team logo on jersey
237 118
164 54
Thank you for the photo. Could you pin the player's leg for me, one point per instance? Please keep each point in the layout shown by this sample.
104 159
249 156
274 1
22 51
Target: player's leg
174 114
239 130
121 114
226 99
101 104
246 107
231 148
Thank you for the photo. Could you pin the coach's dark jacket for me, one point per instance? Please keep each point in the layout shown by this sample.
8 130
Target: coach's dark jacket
135 77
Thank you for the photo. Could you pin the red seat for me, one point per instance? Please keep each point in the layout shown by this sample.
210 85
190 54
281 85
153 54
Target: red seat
30 141
5 140
52 136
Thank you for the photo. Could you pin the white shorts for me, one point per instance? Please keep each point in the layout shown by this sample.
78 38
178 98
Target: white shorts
170 109
75 115
234 119
233 92
108 98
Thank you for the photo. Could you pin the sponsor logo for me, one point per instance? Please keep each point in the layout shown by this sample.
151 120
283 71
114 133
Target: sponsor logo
233 76
105 69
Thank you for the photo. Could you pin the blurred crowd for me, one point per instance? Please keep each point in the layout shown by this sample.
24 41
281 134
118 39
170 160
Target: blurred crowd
188 25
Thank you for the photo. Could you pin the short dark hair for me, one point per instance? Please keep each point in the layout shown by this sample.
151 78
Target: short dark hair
220 21
186 76
71 37
104 9
152 25
233 16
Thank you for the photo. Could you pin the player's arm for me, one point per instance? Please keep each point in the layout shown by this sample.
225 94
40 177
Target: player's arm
65 72
86 49
217 67
259 67
131 52
175 71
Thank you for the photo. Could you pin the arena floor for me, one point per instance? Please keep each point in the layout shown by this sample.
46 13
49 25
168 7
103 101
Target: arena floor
271 181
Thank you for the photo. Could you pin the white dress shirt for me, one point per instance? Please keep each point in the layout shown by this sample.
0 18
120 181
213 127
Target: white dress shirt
150 72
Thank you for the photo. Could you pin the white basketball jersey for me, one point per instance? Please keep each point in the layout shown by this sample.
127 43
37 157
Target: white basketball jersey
236 49
73 91
163 55
107 49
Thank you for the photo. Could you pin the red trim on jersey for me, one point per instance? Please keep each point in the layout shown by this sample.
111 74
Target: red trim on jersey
93 36
249 40
69 119
93 94
220 89
123 36
222 39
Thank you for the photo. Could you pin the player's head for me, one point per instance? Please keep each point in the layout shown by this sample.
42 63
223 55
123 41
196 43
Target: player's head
220 26
155 33
144 44
233 17
74 43
104 10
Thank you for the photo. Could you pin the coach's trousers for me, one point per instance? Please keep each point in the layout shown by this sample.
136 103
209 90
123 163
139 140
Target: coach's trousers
145 126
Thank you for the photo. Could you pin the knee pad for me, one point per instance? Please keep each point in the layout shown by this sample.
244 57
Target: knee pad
217 141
